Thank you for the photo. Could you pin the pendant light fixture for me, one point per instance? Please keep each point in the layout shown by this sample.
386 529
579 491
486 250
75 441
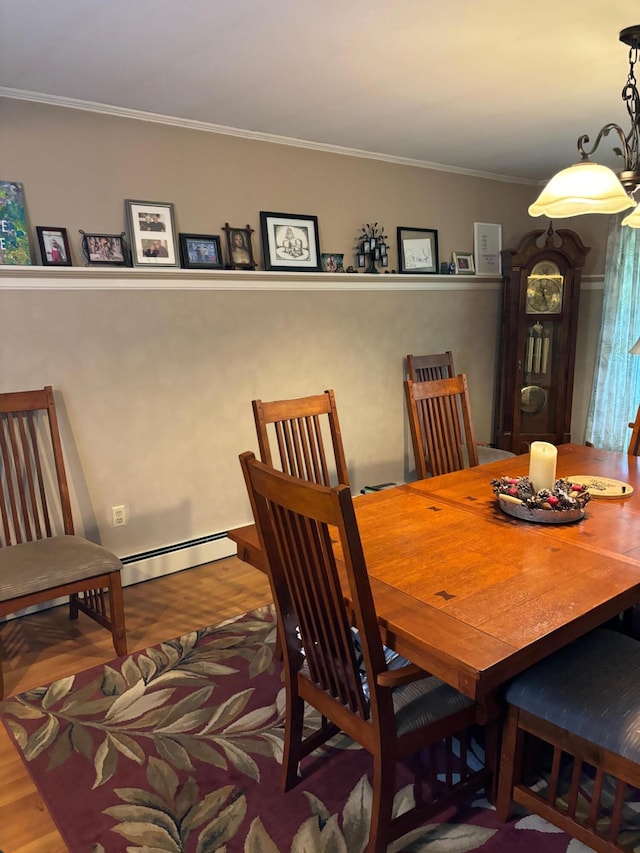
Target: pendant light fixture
587 187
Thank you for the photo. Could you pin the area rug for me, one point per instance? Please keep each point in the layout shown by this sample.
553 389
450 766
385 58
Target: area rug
178 748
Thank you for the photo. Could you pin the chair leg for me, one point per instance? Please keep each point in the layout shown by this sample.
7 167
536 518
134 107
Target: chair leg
510 763
294 725
116 609
384 768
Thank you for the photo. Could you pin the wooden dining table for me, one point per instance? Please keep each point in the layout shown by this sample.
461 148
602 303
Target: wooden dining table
473 594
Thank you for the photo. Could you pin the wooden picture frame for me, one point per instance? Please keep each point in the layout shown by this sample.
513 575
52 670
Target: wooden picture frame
152 233
418 251
239 248
290 242
54 246
463 263
200 251
105 249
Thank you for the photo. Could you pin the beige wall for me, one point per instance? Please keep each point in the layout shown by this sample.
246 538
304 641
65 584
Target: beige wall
156 383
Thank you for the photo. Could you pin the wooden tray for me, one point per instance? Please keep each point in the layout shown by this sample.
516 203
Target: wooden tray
602 487
515 507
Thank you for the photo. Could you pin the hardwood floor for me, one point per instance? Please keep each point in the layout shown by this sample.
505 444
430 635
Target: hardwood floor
41 648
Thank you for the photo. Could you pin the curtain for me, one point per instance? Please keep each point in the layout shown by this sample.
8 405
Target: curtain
616 382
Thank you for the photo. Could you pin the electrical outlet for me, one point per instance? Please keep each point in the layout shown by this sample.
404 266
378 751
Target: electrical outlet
119 515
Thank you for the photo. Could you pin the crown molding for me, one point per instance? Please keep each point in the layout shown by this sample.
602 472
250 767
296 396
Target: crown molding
207 127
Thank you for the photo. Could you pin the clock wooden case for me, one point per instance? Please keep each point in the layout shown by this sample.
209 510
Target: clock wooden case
538 339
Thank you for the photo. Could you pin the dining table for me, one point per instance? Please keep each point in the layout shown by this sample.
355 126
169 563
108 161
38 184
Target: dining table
475 595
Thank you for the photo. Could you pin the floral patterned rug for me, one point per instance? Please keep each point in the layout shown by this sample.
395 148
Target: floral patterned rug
178 748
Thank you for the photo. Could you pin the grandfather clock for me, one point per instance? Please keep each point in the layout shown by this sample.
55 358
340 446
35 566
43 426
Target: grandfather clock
538 339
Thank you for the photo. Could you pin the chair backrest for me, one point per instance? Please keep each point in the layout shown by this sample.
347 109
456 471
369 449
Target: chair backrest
441 426
294 518
426 368
298 432
634 441
34 497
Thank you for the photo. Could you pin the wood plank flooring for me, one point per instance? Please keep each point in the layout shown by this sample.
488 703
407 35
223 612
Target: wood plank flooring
41 648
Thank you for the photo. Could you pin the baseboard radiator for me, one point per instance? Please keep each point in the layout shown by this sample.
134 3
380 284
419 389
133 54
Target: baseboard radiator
158 562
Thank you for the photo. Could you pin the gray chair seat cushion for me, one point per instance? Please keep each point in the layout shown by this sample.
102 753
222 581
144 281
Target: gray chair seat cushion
590 688
492 454
47 563
426 701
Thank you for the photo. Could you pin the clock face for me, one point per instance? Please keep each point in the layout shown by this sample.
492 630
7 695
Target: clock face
544 295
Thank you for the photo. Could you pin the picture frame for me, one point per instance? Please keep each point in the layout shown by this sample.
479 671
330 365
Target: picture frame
463 263
332 261
152 233
200 251
54 246
290 242
239 248
418 251
105 249
487 245
15 247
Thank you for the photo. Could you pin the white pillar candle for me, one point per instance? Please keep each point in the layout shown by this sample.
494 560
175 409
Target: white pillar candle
542 465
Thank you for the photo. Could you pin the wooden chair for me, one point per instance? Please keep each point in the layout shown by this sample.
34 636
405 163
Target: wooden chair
441 426
300 433
426 368
634 441
393 713
581 704
40 557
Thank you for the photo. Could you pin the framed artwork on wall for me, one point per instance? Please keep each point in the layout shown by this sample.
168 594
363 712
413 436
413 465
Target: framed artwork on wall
418 250
200 251
463 263
105 249
14 235
152 233
290 242
487 244
54 246
239 248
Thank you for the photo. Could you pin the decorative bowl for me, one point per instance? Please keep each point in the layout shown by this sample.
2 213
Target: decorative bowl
562 504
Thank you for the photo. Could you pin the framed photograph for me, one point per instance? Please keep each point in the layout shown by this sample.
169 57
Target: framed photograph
290 242
463 263
105 249
239 248
487 245
332 262
200 251
54 246
152 233
418 250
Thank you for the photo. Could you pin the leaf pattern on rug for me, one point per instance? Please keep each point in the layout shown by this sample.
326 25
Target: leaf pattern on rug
137 706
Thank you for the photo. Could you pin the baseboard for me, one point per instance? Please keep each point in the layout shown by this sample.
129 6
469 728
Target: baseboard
158 562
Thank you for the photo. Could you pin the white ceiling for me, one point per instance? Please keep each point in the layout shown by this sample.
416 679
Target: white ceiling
493 86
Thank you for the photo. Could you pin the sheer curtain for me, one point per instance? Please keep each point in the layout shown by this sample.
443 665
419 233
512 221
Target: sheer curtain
616 382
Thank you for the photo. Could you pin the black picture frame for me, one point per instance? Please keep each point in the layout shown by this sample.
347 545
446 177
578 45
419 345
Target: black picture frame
105 249
152 232
54 246
290 242
239 248
418 251
200 251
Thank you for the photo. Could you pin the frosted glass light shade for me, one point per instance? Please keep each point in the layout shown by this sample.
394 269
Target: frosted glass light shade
633 220
585 187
